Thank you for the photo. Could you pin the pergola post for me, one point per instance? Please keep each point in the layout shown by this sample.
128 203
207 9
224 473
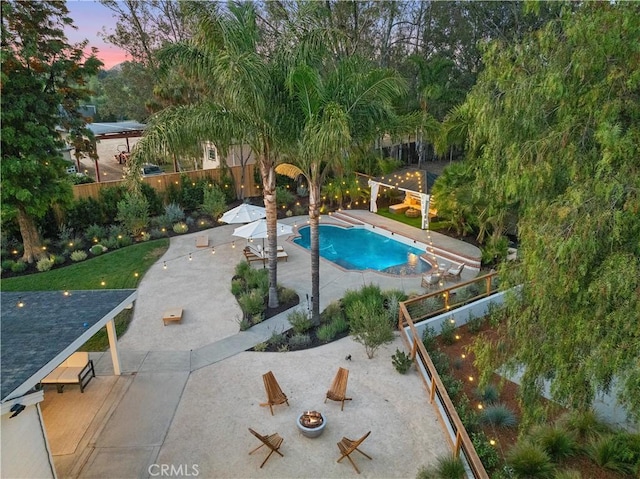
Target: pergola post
113 346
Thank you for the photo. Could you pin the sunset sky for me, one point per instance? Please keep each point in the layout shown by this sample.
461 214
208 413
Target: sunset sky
90 17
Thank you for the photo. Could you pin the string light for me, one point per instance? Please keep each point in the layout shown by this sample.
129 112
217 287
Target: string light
65 293
164 265
190 257
20 303
213 251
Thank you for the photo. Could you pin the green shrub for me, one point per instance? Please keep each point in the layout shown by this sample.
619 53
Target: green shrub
133 213
326 333
257 318
448 331
300 321
584 425
463 295
244 324
124 240
485 450
7 264
95 233
97 249
18 266
467 414
299 341
261 347
180 228
58 259
401 361
108 199
474 324
568 474
429 338
556 442
144 236
333 310
283 349
369 325
277 339
44 264
619 452
157 234
339 325
450 467
83 213
284 197
251 303
243 269
498 415
440 361
530 461
78 255
287 295
237 287
173 213
488 394
258 279
453 386
214 202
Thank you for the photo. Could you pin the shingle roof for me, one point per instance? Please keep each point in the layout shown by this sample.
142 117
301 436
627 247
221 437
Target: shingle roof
48 323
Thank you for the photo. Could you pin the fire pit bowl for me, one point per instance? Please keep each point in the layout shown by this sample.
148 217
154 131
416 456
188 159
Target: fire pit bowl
311 423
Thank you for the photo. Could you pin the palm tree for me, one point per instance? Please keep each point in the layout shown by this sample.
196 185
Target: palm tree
349 104
240 100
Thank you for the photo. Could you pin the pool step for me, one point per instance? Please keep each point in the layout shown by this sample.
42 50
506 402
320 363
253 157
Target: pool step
337 215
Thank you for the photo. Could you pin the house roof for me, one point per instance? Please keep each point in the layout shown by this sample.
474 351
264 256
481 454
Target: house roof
117 129
49 326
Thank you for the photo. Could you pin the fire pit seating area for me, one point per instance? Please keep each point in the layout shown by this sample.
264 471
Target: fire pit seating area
311 424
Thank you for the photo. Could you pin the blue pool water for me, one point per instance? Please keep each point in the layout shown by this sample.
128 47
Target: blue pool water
359 249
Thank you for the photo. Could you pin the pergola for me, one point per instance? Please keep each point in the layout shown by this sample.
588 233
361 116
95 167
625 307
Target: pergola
415 184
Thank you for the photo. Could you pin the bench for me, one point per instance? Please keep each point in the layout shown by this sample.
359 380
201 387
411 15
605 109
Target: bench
76 369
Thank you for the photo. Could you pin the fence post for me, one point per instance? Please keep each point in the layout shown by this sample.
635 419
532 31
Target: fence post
456 451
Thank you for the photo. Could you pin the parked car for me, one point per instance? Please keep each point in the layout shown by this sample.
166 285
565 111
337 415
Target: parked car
150 170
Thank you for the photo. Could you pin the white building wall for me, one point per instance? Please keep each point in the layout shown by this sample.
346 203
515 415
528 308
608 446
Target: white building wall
24 450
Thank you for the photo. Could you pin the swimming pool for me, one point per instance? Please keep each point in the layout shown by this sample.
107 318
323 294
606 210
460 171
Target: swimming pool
360 249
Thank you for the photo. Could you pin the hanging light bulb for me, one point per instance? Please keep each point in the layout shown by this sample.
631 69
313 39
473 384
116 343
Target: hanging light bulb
233 244
20 303
164 265
213 251
190 257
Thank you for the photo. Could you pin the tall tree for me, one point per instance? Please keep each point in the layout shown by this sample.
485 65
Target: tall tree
242 101
345 106
555 130
43 78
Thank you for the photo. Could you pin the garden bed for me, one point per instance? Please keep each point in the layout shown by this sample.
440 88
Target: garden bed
462 368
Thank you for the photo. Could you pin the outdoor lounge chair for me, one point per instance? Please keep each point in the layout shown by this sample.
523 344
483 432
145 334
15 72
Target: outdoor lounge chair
347 446
430 280
454 271
272 441
338 390
275 395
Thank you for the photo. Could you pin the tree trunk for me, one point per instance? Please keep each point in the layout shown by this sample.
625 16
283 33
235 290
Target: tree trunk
314 221
269 194
30 237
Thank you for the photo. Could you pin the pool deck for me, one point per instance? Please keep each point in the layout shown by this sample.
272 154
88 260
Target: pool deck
189 390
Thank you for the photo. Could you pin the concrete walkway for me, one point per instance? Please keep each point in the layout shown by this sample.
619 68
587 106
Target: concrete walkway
180 376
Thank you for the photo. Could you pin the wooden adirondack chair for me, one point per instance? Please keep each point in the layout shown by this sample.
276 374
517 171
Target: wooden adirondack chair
347 446
272 441
338 390
275 395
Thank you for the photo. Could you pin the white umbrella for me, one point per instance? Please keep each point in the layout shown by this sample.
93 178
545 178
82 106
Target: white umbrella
258 229
244 213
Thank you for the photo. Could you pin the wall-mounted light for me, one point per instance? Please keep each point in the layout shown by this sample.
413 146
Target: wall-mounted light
17 409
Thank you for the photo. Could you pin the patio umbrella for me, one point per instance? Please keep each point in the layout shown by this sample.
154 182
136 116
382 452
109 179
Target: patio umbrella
244 213
258 229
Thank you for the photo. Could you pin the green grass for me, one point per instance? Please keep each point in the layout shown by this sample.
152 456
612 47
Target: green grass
415 222
117 269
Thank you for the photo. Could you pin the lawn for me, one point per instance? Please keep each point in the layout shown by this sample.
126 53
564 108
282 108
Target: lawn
119 269
415 222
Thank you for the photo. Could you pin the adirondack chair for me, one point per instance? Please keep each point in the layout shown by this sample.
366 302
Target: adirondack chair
272 441
275 395
347 446
338 390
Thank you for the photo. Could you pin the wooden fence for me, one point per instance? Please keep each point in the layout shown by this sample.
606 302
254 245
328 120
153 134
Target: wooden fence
431 305
161 183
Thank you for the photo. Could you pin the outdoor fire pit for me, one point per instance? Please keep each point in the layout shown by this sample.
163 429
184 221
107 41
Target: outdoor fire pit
311 423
